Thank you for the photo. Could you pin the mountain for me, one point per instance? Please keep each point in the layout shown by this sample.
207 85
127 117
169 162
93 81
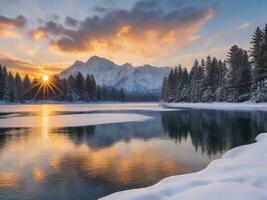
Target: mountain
142 79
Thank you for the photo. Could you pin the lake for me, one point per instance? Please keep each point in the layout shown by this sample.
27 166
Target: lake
50 152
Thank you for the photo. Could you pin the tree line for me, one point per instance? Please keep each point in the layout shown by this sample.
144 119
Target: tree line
241 77
14 88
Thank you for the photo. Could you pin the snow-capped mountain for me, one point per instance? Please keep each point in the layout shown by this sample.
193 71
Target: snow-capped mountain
132 79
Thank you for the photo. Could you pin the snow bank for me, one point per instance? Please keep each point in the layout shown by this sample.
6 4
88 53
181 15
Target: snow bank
240 174
218 106
71 120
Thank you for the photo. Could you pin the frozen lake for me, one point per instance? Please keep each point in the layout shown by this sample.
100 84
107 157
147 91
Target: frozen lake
86 151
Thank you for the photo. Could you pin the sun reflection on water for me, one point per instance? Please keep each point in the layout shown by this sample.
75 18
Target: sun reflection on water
45 122
46 158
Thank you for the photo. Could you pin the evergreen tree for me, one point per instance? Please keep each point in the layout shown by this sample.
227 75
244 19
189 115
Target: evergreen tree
163 96
210 80
18 87
26 95
122 95
4 91
257 55
91 87
12 96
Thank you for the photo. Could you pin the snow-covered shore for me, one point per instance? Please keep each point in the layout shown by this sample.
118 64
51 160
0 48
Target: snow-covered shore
240 174
218 106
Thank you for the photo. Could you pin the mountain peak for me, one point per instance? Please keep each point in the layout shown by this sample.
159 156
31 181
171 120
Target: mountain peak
77 62
97 59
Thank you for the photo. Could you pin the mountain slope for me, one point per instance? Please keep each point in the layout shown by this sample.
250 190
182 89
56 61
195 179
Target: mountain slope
141 79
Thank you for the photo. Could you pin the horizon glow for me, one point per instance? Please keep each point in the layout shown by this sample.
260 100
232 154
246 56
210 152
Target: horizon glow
45 37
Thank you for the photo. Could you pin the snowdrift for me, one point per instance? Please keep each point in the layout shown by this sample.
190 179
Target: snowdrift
240 174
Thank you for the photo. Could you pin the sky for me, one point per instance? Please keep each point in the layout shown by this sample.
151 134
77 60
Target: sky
47 36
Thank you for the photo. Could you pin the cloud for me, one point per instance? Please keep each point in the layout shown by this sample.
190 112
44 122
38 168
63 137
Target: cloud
20 21
101 9
149 30
243 26
7 25
25 66
69 21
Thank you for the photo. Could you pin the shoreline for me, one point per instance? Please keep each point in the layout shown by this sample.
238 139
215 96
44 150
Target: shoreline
74 102
246 106
240 174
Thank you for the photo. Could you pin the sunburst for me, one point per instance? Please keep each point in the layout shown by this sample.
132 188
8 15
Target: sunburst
44 85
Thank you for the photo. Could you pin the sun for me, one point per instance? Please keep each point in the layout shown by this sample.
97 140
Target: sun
45 77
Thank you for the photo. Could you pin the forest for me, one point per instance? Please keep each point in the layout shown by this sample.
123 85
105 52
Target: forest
14 88
241 77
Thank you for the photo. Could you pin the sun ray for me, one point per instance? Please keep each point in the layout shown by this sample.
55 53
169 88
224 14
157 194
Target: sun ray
37 92
44 85
51 88
57 88
31 88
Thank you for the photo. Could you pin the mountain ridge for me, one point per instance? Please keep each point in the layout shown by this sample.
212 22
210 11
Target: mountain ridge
139 79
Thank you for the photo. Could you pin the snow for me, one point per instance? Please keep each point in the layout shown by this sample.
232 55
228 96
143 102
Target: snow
218 106
240 174
131 79
70 120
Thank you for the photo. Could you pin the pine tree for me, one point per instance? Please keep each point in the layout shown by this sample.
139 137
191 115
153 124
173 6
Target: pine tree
4 92
18 87
194 75
12 96
257 55
239 75
244 78
122 95
210 80
163 96
264 53
220 93
26 88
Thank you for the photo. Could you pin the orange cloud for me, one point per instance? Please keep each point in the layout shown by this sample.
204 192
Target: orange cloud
8 26
25 66
139 32
38 34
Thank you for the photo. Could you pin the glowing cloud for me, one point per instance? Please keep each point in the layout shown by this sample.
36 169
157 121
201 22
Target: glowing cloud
7 25
146 31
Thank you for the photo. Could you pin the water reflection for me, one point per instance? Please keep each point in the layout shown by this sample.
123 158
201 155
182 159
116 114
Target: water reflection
214 131
211 132
89 162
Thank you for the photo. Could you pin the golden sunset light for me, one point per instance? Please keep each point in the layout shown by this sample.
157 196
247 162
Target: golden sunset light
136 99
45 77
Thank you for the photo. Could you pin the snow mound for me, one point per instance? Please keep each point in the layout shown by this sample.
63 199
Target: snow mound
240 174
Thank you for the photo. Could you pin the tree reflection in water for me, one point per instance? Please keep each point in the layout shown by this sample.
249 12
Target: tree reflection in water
211 132
214 131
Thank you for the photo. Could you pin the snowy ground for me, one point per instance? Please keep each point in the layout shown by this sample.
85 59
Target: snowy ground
218 106
240 174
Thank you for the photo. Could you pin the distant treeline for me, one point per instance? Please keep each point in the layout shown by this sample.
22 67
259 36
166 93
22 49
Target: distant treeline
75 88
237 79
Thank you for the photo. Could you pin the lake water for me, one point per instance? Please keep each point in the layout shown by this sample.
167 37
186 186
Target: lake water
72 161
